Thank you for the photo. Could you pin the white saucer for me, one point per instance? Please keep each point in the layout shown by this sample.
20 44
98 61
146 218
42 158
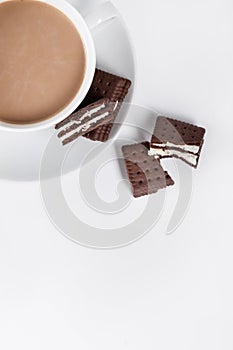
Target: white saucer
21 153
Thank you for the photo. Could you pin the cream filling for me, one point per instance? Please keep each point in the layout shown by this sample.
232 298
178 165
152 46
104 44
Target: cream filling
187 148
116 104
84 116
84 127
88 124
190 158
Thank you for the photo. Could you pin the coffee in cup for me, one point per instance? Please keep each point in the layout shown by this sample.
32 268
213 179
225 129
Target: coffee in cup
42 61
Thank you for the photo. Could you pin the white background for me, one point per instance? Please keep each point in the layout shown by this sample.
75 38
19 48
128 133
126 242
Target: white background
162 292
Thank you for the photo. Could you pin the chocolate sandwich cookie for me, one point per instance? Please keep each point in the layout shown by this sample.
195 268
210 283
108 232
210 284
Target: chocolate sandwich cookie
106 85
86 120
145 172
174 138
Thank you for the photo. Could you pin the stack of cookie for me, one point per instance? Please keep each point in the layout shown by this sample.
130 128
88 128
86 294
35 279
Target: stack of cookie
95 117
171 138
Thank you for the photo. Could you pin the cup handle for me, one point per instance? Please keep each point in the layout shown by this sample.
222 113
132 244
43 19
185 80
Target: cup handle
105 12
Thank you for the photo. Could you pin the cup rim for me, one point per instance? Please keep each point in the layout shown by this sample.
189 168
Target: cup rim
76 18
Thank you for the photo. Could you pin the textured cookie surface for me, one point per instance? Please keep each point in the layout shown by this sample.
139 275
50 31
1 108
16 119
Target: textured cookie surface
145 172
177 133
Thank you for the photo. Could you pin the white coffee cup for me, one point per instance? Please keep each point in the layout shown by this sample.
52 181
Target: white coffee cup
104 12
